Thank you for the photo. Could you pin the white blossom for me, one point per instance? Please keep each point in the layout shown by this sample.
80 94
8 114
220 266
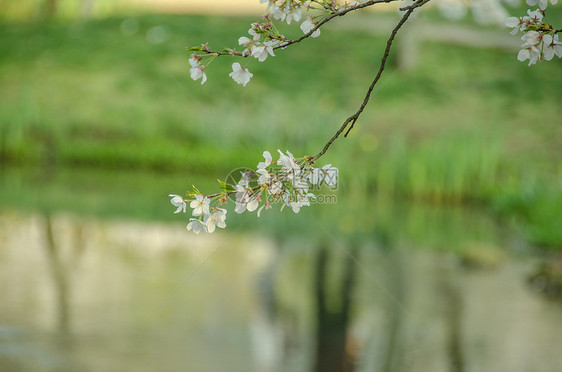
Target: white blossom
253 203
514 22
244 180
241 197
177 201
535 15
293 14
308 25
551 47
198 73
275 188
240 74
295 206
243 40
302 200
262 51
267 162
542 3
240 208
264 177
288 165
253 32
217 218
286 196
277 13
200 205
194 61
531 53
287 13
196 226
531 38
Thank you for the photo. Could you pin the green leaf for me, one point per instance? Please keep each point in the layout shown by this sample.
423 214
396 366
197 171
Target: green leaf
226 187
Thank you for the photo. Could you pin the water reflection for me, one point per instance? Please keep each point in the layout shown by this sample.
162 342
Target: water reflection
60 274
333 349
78 294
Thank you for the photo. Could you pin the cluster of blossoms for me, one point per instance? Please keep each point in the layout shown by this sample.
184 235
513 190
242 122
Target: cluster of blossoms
285 11
264 37
288 181
207 219
540 39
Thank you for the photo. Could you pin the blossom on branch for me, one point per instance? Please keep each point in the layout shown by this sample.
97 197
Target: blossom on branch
287 181
308 25
196 226
540 39
552 47
217 219
177 201
267 162
200 205
244 41
262 51
240 74
197 71
542 3
290 11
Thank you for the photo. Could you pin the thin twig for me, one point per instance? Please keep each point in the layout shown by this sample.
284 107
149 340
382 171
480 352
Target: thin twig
353 118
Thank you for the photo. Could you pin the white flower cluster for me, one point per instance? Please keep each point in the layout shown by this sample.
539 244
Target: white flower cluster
206 220
264 38
285 11
542 3
197 70
540 39
285 181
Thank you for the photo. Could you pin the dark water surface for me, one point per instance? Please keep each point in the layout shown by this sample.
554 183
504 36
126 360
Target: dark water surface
383 288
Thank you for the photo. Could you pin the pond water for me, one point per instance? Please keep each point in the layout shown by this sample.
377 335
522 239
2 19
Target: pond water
418 290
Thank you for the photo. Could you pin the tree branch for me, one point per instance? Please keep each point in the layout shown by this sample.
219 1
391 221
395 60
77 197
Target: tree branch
332 16
353 118
286 43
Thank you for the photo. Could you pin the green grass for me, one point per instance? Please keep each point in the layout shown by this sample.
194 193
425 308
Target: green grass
464 125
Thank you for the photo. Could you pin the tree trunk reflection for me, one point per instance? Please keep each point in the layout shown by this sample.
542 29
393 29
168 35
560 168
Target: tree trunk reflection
332 351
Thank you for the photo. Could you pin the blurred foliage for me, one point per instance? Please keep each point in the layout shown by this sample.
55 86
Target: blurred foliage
48 9
464 126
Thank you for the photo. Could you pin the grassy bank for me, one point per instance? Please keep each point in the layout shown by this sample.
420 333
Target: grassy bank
464 125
